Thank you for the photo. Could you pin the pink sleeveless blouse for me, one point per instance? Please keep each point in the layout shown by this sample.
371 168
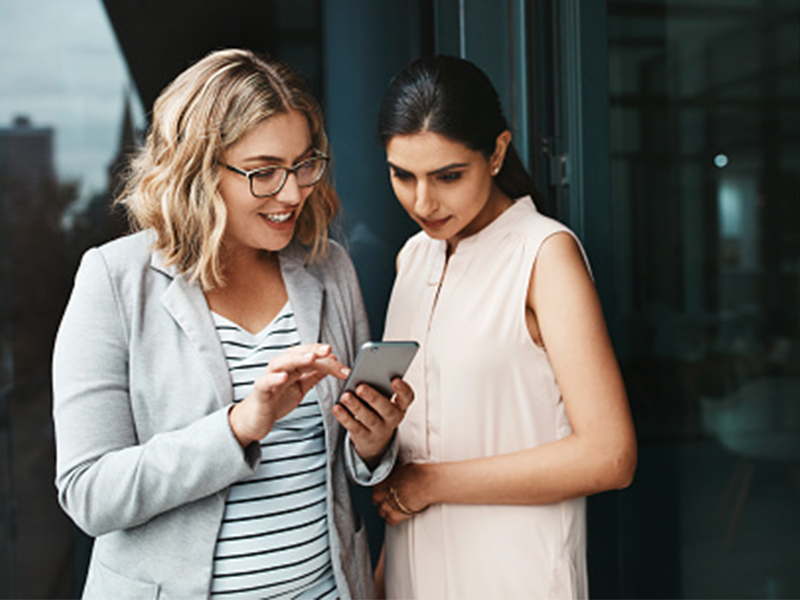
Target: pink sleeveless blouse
482 388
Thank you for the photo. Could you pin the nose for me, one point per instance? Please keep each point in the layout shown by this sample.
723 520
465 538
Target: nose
424 204
290 193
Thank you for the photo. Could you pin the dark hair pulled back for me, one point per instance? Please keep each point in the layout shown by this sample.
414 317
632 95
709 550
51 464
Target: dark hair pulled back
452 97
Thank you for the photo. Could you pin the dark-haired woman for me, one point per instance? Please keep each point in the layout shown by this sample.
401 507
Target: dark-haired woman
520 410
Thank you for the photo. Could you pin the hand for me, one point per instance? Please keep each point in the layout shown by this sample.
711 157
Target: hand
403 494
371 417
285 382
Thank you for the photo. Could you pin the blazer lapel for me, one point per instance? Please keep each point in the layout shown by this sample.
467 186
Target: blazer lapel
305 291
186 304
307 295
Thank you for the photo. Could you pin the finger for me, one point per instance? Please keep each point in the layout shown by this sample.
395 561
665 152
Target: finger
394 516
271 383
379 403
379 493
309 380
330 365
299 357
361 411
385 511
404 394
349 422
309 358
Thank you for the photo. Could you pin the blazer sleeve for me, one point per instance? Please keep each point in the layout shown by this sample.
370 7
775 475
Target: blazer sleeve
107 480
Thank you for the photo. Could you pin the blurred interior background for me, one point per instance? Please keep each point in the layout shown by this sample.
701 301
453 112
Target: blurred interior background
665 132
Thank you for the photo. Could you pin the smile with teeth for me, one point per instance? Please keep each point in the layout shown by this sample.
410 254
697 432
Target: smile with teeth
278 217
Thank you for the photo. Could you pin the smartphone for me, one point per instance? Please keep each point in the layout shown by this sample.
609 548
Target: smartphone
377 363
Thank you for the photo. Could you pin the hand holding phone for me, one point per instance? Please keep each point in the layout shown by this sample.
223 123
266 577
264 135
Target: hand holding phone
378 363
372 418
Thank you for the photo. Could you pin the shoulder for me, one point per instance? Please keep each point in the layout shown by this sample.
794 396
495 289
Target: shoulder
338 256
108 281
333 269
334 264
545 236
532 224
126 252
125 268
119 257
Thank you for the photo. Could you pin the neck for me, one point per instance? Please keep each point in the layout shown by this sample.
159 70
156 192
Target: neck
240 266
254 290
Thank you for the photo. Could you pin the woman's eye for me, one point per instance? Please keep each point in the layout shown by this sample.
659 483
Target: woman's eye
402 175
449 177
266 174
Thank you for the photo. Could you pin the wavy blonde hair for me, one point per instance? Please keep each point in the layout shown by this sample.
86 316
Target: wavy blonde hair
172 183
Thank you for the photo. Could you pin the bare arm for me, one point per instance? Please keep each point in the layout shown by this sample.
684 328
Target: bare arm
599 455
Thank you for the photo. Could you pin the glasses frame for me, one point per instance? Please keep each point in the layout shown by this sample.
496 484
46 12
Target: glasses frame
286 170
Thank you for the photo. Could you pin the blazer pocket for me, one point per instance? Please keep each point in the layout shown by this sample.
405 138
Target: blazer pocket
102 583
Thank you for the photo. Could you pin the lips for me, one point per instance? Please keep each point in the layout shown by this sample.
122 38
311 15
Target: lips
280 221
278 217
435 223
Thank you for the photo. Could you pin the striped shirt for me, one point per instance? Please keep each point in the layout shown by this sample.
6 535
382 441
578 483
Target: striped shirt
273 541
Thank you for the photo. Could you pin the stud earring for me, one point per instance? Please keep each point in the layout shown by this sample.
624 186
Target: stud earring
495 171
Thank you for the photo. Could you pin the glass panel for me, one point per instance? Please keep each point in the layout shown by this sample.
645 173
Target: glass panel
705 117
493 36
68 112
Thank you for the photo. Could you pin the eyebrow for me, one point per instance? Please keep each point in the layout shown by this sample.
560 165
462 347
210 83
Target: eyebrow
277 159
449 167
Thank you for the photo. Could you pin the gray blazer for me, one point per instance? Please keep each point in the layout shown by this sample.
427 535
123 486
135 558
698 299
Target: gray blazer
145 454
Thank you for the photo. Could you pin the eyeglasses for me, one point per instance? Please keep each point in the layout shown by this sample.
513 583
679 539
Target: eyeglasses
268 181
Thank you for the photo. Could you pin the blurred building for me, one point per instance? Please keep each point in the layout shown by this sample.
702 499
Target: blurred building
29 237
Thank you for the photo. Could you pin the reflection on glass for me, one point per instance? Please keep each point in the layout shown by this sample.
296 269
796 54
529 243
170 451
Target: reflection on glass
68 113
706 173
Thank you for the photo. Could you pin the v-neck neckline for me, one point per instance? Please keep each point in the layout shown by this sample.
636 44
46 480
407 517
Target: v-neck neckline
258 337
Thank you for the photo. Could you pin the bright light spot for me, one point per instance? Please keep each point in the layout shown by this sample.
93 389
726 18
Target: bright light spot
721 160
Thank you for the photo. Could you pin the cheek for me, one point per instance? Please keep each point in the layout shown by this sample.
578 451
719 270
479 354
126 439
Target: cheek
230 195
404 194
306 192
473 198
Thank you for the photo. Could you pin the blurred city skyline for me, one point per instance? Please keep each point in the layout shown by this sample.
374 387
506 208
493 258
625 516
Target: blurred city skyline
70 76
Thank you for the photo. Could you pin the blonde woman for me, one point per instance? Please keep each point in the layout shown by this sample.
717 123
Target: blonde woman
199 360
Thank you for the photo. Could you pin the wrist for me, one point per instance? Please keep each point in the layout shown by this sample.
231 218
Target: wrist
426 483
236 427
371 459
239 421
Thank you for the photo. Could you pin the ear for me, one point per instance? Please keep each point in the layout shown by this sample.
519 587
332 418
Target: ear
500 148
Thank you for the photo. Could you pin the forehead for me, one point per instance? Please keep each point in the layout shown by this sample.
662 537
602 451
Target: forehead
284 136
426 151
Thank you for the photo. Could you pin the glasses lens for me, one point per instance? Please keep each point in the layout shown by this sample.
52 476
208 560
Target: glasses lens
267 181
310 171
